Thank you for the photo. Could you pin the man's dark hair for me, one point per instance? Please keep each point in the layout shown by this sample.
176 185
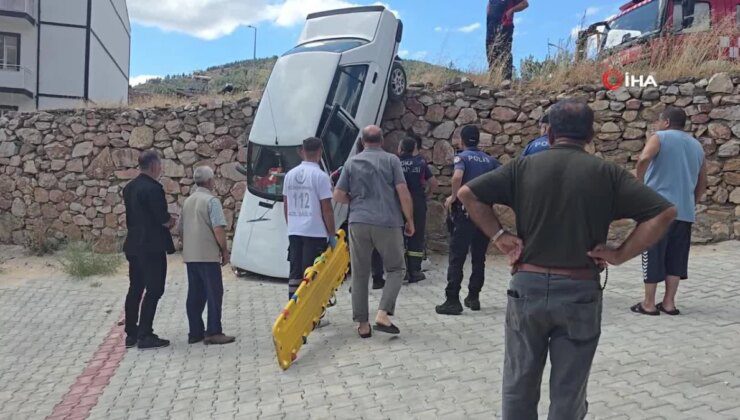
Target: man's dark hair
312 145
470 135
408 145
675 116
572 120
147 158
372 135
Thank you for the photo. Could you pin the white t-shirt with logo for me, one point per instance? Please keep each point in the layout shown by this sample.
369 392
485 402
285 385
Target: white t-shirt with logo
305 186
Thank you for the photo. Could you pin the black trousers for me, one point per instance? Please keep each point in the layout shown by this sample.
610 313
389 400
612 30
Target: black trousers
205 285
499 41
465 237
415 245
147 272
301 254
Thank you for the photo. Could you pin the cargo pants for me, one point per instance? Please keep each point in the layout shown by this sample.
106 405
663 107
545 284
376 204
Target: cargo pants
556 315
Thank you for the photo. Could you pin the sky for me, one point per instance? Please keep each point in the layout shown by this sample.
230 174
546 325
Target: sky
181 36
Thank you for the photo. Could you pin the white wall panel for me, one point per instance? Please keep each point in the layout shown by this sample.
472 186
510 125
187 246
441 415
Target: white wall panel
60 103
107 84
62 61
111 31
123 11
65 11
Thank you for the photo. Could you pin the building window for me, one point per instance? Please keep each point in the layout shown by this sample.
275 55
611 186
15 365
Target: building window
700 20
5 109
10 51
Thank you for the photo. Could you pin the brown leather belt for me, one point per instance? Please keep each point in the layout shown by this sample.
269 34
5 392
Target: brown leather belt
573 273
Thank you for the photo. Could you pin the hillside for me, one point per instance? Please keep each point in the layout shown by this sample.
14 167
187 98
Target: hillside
252 75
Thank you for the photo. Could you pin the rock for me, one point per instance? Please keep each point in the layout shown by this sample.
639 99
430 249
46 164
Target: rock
172 169
729 149
444 131
631 133
141 138
610 127
634 104
82 149
29 135
599 105
732 165
225 142
415 106
720 83
443 153
687 89
631 145
81 220
420 127
125 158
238 190
18 208
205 128
187 157
492 127
732 178
229 171
720 196
174 126
466 116
735 196
435 113
718 130
40 195
730 113
102 165
75 165
503 114
47 180
650 94
8 149
29 167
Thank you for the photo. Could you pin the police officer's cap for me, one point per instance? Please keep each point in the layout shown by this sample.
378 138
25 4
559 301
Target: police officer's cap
470 135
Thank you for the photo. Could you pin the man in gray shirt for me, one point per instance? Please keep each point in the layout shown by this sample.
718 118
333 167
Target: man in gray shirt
373 185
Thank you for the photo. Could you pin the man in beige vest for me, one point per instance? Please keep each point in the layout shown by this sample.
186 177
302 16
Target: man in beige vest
204 251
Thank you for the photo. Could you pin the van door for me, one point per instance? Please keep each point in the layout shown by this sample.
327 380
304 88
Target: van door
339 137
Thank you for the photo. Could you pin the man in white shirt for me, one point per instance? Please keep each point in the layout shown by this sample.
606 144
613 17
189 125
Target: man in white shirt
308 211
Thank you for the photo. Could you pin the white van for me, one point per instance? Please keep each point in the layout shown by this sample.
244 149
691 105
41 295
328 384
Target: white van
334 82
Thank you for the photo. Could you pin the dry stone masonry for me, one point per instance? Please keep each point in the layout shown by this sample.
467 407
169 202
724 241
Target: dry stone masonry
61 173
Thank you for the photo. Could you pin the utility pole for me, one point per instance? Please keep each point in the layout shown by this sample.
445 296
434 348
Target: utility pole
254 56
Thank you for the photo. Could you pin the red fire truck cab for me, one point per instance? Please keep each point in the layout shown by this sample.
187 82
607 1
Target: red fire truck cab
639 22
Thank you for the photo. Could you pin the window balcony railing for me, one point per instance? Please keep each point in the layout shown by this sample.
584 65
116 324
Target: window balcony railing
20 8
17 79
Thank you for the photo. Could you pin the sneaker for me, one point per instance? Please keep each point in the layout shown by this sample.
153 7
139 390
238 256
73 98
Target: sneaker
152 342
218 339
378 283
416 276
450 307
472 302
193 340
131 341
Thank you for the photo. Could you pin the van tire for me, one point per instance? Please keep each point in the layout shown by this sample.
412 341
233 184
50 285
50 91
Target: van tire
397 83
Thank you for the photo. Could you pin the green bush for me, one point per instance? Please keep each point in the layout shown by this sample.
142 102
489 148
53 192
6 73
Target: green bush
79 261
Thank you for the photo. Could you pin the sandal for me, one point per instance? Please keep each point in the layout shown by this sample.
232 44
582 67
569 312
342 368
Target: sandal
388 329
366 335
674 312
638 309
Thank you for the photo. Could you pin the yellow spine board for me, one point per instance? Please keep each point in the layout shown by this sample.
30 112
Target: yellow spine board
303 312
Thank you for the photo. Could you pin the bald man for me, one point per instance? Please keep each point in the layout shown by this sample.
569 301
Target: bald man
373 185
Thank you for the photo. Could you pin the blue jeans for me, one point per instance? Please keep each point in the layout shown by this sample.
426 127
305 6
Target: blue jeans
205 285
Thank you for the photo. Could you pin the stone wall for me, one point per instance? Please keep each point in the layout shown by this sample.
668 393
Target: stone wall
61 173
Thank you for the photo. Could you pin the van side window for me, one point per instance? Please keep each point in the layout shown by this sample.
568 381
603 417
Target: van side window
338 135
701 20
346 90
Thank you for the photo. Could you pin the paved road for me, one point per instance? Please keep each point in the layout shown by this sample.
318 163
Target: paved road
54 333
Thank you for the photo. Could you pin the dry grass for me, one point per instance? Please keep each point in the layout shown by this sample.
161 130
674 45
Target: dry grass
79 260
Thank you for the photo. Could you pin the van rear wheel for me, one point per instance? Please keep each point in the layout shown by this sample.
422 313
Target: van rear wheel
397 83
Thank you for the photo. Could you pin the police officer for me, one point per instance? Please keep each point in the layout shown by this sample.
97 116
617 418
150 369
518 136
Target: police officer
420 182
542 143
464 235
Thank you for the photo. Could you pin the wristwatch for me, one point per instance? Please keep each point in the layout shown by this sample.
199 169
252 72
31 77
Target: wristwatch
498 234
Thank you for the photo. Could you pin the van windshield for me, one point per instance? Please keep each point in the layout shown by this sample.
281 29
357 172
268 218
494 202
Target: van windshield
633 24
267 168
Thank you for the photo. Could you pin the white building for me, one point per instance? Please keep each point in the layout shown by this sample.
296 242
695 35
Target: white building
63 53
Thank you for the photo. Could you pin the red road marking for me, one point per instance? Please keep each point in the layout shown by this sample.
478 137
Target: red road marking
89 386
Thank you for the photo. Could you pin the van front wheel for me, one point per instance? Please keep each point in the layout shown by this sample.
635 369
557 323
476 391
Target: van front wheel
397 83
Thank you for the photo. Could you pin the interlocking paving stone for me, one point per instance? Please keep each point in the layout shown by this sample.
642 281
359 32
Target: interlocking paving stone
662 367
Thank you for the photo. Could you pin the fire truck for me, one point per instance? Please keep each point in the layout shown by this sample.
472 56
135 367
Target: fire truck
628 36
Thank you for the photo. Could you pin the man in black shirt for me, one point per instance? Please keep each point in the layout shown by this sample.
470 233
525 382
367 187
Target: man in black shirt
147 244
564 200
